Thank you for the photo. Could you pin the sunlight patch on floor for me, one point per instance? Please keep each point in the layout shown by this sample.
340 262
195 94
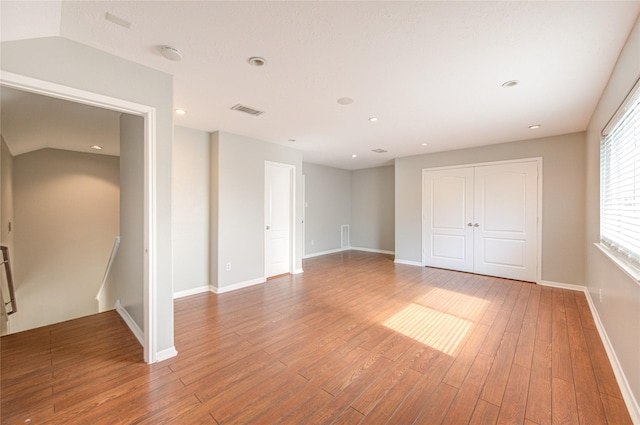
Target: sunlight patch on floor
434 328
460 305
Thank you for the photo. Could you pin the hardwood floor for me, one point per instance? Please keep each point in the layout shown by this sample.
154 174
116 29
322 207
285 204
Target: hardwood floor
355 339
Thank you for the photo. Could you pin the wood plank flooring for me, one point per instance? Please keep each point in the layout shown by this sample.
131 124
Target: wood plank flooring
355 339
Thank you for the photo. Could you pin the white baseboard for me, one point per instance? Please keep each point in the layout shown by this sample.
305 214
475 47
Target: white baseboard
160 355
193 291
354 248
130 322
409 263
379 251
331 251
239 285
561 285
625 388
224 289
166 354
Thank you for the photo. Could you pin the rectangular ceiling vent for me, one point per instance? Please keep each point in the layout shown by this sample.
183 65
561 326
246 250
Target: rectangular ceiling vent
247 110
378 150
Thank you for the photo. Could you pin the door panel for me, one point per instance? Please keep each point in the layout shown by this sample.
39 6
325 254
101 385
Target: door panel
506 210
503 201
448 246
503 252
277 219
448 208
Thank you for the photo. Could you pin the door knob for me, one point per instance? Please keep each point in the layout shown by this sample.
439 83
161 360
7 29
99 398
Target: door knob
469 224
268 227
476 225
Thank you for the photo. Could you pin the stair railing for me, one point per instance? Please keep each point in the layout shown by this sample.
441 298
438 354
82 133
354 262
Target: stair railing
100 297
7 270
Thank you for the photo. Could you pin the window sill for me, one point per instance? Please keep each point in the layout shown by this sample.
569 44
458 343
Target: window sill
629 270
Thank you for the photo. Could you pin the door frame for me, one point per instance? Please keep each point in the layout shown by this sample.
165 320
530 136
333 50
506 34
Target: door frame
292 214
537 160
148 113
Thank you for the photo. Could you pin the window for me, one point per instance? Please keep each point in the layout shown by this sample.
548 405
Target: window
620 184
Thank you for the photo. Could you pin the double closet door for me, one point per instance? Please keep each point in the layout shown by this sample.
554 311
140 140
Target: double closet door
482 219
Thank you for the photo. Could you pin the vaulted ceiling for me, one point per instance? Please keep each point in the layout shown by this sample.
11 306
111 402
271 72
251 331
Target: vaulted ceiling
430 72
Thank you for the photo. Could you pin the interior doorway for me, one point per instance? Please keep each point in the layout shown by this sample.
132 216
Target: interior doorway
146 335
60 203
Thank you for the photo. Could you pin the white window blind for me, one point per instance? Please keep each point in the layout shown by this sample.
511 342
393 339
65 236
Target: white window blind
620 182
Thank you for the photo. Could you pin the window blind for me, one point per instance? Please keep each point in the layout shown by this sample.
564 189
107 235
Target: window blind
620 182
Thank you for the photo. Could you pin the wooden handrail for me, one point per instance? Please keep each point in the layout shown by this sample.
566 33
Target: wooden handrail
7 269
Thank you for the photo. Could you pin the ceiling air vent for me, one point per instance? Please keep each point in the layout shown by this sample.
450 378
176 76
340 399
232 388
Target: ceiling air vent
378 150
247 110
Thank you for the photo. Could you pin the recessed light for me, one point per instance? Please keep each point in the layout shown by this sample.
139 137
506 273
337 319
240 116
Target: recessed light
96 147
181 112
424 144
510 83
354 156
535 126
257 61
170 53
373 119
345 101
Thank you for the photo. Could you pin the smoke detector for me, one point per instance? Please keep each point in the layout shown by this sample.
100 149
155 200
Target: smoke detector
170 53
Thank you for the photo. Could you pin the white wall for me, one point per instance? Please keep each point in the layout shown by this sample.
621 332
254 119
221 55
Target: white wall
328 206
66 219
6 216
126 284
61 61
619 309
191 209
6 184
214 195
240 206
563 195
372 208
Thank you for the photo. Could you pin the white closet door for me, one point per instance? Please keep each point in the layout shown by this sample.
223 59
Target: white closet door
448 210
506 211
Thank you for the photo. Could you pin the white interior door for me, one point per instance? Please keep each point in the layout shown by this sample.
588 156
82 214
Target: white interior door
482 219
448 209
278 218
506 211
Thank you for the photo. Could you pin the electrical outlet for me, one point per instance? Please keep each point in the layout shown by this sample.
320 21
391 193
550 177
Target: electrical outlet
228 267
600 292
313 242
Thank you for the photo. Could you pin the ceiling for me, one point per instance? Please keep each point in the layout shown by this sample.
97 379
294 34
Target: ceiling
31 122
431 72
